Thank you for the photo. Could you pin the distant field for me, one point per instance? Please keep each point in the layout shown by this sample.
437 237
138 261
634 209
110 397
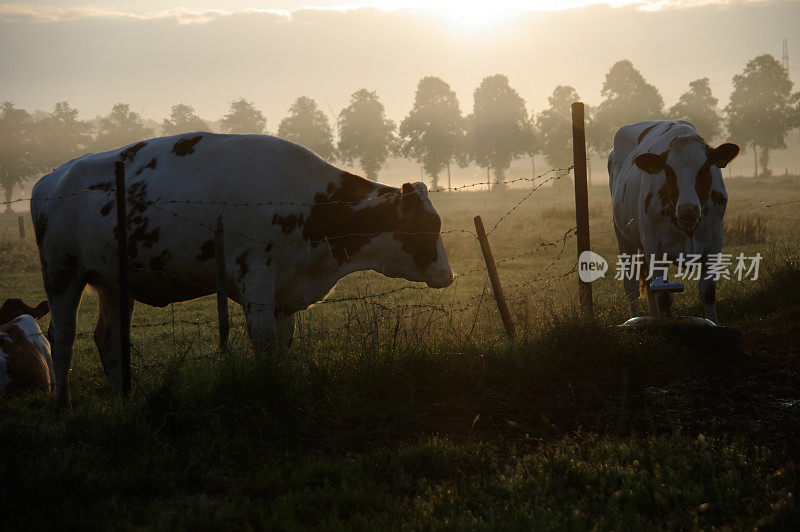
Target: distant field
413 410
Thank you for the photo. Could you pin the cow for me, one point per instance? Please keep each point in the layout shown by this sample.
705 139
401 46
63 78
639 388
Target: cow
25 363
668 198
293 226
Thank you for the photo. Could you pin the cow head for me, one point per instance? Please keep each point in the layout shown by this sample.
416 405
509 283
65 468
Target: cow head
687 167
15 307
421 254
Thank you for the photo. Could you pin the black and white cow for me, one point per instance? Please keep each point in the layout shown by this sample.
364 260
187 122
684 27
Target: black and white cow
293 224
668 197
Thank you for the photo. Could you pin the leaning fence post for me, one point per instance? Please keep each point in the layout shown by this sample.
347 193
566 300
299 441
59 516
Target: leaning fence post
222 290
497 289
581 199
124 301
21 222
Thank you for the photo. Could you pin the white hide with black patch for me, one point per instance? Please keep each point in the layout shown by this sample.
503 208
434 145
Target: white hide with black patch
293 226
25 361
668 198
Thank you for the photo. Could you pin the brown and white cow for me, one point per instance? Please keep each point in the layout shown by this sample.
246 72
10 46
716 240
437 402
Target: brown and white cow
25 363
668 198
293 224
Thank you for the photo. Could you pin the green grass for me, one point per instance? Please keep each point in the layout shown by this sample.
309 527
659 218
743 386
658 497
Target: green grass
392 416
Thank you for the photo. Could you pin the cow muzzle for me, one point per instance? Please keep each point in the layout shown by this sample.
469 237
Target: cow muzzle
688 216
440 279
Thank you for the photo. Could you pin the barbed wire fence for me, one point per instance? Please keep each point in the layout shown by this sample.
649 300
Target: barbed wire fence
363 316
413 317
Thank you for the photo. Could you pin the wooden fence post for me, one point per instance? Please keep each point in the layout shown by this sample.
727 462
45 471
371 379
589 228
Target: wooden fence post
124 297
497 289
581 199
21 222
222 288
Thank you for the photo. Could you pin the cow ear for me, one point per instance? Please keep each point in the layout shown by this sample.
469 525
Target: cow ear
652 163
409 197
41 310
723 154
7 310
12 308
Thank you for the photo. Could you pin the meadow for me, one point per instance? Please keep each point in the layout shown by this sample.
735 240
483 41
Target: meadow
411 409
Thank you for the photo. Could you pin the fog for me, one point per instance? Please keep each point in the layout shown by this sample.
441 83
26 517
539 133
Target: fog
153 55
96 61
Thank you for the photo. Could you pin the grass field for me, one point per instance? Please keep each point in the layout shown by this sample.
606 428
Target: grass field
413 410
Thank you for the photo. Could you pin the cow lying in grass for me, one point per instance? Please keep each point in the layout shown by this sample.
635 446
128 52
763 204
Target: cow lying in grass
25 363
294 226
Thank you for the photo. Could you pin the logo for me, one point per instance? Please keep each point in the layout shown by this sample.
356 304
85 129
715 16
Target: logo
591 266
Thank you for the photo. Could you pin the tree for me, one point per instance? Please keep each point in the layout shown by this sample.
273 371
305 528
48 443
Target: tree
183 119
554 127
628 99
365 133
498 129
243 117
308 126
762 109
699 107
62 136
121 127
18 151
432 132
533 145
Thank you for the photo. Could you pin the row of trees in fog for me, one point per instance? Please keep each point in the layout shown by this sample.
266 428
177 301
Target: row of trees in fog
435 133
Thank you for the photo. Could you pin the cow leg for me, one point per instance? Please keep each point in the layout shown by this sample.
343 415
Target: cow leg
63 315
655 304
257 291
107 335
285 329
630 285
707 289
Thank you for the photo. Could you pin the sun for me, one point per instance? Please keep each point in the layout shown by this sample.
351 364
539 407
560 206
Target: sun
483 16
472 16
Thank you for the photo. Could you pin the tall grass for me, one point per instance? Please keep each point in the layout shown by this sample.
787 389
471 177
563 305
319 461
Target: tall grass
744 229
484 436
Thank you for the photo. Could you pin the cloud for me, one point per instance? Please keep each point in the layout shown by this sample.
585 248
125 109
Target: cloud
658 5
186 15
181 15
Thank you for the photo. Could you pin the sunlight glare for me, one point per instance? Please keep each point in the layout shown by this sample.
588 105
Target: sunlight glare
475 16
472 15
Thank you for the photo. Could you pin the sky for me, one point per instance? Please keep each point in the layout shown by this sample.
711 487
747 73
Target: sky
154 54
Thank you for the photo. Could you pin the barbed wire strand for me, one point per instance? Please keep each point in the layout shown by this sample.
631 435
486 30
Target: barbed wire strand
397 312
